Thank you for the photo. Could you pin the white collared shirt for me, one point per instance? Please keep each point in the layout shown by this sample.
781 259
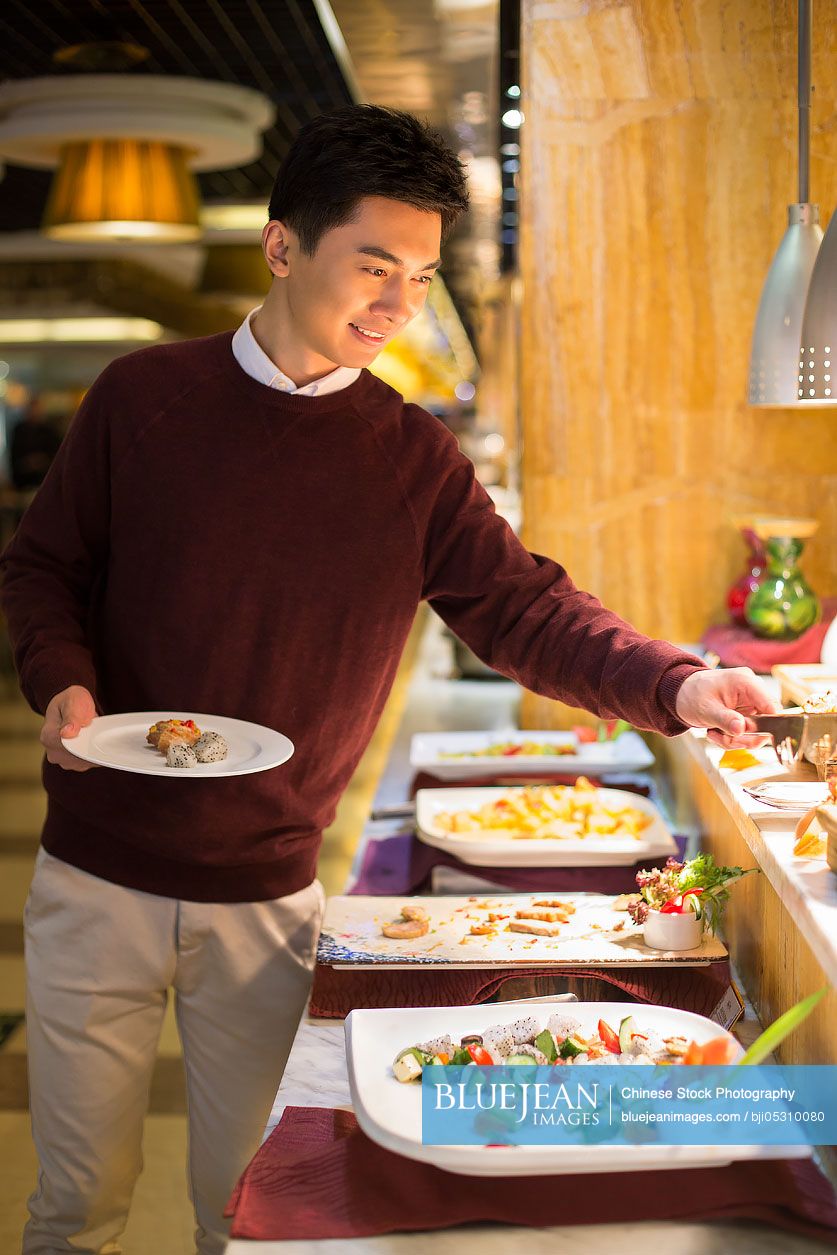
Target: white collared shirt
252 358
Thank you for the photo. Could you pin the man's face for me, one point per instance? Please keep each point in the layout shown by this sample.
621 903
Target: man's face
364 283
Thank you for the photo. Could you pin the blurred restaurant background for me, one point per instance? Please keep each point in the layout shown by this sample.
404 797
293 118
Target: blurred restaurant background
589 339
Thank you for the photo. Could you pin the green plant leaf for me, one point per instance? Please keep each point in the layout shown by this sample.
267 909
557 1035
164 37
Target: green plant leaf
781 1028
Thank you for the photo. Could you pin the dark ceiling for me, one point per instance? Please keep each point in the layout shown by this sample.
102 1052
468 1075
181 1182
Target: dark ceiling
276 46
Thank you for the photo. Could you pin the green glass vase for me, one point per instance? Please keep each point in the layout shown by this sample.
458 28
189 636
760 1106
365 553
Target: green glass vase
784 606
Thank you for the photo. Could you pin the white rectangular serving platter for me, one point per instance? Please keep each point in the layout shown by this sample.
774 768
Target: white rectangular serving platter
487 848
596 936
627 753
389 1112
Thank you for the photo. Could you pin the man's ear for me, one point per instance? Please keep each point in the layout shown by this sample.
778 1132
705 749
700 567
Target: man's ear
276 239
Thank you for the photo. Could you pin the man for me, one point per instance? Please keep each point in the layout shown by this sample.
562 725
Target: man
245 525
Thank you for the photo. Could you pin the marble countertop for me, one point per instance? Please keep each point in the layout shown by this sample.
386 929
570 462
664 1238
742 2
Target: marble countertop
806 886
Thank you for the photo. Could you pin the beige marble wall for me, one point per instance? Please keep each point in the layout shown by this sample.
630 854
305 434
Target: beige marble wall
659 156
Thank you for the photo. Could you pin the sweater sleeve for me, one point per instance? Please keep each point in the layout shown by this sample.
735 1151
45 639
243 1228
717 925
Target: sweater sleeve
522 614
58 553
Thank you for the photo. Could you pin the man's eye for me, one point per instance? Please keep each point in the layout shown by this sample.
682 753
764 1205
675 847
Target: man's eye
426 279
374 270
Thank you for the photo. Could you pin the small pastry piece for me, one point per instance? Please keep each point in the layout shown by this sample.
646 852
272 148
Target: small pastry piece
210 748
547 917
166 731
416 913
180 755
567 907
406 929
414 922
534 926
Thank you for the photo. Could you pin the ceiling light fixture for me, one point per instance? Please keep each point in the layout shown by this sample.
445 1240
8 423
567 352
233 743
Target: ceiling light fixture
774 358
105 330
127 148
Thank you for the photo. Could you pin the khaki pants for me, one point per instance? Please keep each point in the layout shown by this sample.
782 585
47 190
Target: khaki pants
100 960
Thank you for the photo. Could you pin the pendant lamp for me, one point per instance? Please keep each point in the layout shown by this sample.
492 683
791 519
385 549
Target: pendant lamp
818 341
127 147
123 189
775 356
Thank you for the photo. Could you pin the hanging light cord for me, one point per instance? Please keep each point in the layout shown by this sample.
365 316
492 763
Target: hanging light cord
804 90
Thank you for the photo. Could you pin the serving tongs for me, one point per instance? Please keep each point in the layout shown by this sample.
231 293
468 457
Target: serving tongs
795 733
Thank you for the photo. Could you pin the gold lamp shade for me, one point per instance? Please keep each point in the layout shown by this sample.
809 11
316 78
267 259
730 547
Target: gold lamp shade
125 189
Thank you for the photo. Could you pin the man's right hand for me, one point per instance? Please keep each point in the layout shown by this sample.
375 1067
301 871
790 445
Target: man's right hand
67 713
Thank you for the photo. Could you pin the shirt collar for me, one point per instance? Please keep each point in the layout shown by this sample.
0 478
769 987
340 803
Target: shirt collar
252 358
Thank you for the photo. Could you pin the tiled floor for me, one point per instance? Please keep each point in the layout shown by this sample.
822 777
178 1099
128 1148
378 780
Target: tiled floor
161 1219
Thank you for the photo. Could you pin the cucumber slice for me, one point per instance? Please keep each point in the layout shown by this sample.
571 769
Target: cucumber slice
572 1047
626 1033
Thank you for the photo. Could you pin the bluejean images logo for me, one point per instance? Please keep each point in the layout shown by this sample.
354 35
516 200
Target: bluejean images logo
769 1105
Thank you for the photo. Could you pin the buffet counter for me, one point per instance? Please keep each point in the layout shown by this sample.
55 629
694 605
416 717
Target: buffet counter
780 926
316 1075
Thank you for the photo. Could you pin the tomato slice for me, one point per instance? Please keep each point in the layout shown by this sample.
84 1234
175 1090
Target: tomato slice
480 1055
610 1039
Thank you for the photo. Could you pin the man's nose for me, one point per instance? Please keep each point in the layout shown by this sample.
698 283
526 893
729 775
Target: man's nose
394 301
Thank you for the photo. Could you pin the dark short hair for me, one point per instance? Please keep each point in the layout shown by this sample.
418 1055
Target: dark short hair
365 150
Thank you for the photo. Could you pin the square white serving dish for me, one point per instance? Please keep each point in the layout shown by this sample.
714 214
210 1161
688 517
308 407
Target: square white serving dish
627 753
488 848
389 1112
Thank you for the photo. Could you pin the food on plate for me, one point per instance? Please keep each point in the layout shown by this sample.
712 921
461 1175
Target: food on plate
821 703
537 928
810 845
548 917
166 731
560 1042
541 812
514 749
699 885
179 754
624 901
737 760
567 907
414 922
210 748
183 744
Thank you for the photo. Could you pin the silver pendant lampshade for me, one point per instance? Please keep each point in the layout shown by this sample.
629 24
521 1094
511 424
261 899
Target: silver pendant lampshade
818 340
779 367
774 358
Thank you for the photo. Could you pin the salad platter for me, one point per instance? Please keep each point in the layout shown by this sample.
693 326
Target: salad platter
543 826
388 1105
474 755
519 930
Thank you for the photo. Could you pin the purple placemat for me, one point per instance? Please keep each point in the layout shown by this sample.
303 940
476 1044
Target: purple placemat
403 864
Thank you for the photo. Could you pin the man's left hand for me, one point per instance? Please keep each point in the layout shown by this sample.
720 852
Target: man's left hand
723 702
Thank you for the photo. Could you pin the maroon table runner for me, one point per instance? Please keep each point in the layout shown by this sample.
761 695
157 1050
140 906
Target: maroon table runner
337 991
403 864
318 1176
634 782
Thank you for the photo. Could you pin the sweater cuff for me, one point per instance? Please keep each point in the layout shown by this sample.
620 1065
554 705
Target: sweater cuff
668 688
43 681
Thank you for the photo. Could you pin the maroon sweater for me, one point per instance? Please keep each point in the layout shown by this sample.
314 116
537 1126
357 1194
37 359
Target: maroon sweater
203 542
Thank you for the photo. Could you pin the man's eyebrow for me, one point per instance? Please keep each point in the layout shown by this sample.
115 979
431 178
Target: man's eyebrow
372 250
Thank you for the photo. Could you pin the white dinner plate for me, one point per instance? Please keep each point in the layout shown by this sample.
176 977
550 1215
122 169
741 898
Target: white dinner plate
794 796
118 741
627 753
494 848
389 1112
